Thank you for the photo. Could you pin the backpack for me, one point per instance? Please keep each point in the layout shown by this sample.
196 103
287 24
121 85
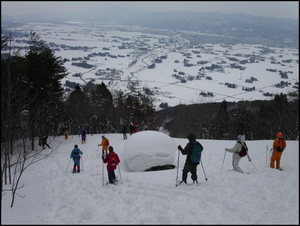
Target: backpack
76 154
113 160
106 142
281 145
196 153
83 133
244 150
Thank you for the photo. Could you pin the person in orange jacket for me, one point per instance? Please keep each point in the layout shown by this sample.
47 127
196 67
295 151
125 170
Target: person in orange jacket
279 145
66 135
104 144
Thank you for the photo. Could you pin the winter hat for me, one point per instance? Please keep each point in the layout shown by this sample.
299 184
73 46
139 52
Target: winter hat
110 148
239 137
76 146
191 137
279 134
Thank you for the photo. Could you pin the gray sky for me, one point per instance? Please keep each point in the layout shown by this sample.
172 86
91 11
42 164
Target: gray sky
277 9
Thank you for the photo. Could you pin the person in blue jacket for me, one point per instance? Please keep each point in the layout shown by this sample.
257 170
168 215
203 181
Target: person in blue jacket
83 135
75 154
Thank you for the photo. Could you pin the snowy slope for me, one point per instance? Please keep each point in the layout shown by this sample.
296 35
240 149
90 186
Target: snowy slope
54 196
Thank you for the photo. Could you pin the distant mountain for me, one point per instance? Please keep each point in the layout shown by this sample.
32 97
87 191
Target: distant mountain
227 28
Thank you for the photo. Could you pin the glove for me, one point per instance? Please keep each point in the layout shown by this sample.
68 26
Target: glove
179 147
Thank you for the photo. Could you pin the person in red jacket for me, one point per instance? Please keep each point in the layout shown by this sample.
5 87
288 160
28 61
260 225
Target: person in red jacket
112 160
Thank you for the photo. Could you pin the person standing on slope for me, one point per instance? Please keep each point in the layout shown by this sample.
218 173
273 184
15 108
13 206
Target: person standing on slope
83 135
75 154
66 133
124 131
112 160
189 166
279 145
238 152
104 144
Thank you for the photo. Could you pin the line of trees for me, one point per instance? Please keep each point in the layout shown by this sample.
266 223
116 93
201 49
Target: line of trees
258 120
34 104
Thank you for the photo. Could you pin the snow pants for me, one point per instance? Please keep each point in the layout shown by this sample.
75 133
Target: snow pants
104 149
189 168
111 176
235 164
276 156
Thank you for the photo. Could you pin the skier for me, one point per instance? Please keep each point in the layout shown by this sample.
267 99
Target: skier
104 144
83 135
112 160
189 166
279 145
75 154
236 150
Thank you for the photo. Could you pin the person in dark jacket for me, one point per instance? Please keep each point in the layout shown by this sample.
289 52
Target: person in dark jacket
75 154
44 142
112 160
83 133
189 166
124 131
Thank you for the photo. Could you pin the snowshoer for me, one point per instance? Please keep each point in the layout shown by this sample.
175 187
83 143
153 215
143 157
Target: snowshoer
237 148
75 154
189 166
83 135
112 160
104 144
279 145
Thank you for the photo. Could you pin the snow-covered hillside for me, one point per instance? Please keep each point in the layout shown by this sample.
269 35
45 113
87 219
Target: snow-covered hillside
56 196
119 54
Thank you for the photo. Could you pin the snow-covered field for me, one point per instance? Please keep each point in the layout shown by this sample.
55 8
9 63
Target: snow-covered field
166 88
56 196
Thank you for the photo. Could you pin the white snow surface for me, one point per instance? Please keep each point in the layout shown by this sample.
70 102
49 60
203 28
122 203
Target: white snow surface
53 195
142 153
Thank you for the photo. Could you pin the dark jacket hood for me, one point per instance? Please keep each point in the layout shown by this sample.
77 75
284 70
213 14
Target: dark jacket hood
191 137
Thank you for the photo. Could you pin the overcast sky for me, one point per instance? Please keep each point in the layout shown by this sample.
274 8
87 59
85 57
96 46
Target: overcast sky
277 9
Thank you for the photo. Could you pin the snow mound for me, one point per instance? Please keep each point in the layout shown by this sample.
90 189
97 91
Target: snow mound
147 149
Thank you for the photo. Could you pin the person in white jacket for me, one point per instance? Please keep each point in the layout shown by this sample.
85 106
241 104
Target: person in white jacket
236 150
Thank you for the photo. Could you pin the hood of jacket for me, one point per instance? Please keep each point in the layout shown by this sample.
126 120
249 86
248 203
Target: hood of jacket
243 138
191 137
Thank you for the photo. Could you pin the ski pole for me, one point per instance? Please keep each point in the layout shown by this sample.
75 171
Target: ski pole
223 162
177 169
270 154
251 162
102 173
267 156
119 172
97 149
81 163
68 165
203 170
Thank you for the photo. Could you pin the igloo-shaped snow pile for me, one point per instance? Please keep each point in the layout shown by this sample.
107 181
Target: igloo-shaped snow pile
147 149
